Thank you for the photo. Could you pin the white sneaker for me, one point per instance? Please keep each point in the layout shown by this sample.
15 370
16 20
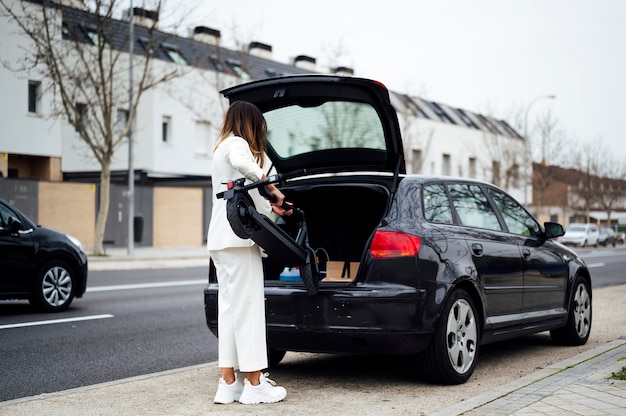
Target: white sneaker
227 393
266 392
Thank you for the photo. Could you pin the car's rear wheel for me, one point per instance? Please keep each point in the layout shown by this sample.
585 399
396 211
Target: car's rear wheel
453 352
578 327
54 287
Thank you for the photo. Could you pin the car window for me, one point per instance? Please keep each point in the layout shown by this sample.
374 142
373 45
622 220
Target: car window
436 204
294 130
5 213
472 206
517 220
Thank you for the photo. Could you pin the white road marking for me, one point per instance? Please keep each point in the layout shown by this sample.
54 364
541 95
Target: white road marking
596 265
146 285
56 321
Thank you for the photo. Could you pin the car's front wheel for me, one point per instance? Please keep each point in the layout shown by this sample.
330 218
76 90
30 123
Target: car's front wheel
54 287
453 352
578 327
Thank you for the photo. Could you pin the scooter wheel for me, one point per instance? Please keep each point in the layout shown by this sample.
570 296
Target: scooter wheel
238 214
309 274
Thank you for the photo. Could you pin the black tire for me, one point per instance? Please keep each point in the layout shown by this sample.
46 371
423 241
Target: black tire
453 351
309 274
239 217
274 357
54 287
578 327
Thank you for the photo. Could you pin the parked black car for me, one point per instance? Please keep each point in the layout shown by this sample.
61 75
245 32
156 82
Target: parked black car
432 267
46 267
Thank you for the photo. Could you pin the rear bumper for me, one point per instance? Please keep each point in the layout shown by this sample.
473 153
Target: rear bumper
341 318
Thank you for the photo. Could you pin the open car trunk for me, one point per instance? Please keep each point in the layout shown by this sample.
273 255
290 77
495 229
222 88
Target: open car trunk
341 216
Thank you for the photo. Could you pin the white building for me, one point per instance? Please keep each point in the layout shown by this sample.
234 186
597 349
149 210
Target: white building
177 121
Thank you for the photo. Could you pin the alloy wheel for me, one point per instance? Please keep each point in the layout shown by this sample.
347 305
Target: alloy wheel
461 336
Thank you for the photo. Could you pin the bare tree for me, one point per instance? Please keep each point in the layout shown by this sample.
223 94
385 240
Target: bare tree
549 146
87 66
586 193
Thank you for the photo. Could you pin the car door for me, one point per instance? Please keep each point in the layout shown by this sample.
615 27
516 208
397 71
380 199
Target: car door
16 251
545 269
495 254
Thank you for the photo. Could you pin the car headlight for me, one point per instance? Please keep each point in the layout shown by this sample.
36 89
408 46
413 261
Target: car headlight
75 241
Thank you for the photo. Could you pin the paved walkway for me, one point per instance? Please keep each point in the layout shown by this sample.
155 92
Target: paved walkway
577 386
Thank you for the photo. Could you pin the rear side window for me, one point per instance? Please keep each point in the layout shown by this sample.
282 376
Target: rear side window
517 220
436 205
472 206
295 130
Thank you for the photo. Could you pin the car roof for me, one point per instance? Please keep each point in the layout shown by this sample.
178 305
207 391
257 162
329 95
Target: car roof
310 91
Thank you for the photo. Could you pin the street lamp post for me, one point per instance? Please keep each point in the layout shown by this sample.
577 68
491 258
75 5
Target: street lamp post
528 155
131 169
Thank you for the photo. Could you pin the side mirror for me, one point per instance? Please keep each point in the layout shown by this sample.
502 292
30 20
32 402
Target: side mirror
14 225
553 229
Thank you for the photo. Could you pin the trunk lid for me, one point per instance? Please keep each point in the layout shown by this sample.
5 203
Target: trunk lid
326 124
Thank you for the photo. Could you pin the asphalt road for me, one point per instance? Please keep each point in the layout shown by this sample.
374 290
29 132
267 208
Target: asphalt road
136 322
144 321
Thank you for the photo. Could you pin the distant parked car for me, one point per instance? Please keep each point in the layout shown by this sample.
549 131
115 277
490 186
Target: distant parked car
606 236
581 235
46 267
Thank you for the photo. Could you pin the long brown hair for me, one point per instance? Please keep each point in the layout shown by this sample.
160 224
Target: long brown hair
245 120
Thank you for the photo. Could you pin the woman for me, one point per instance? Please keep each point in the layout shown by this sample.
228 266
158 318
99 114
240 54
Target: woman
240 151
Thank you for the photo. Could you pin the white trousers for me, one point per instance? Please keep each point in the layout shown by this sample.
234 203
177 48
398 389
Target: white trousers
241 308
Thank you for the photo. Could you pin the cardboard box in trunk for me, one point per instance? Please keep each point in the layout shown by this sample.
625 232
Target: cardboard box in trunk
341 271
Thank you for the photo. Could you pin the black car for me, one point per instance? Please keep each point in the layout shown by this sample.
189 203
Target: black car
423 266
46 267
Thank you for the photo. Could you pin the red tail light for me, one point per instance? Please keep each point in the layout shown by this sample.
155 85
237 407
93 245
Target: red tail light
387 244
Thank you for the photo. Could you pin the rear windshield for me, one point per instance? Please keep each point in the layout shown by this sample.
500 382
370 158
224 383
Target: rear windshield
295 130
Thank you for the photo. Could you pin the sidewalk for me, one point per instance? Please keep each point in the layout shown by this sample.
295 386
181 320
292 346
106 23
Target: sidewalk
117 258
579 385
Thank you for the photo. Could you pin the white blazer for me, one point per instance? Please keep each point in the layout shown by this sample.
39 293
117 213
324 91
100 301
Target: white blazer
232 160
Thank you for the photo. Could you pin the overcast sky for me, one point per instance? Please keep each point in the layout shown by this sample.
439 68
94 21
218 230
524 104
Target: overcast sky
476 54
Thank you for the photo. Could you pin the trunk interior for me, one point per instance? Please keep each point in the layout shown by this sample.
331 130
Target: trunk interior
340 219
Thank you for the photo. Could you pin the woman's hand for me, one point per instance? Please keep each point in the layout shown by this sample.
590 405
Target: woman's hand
279 206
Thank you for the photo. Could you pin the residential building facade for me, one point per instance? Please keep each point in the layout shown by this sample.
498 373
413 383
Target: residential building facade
178 120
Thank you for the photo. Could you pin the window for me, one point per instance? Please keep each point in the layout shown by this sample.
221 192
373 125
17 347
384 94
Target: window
96 37
517 220
81 116
295 130
203 138
436 205
34 96
238 70
120 121
495 172
166 129
473 208
440 112
466 119
472 167
175 55
419 113
446 165
416 161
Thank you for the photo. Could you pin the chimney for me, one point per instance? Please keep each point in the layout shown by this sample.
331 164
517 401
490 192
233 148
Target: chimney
304 62
142 17
206 35
262 50
343 70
